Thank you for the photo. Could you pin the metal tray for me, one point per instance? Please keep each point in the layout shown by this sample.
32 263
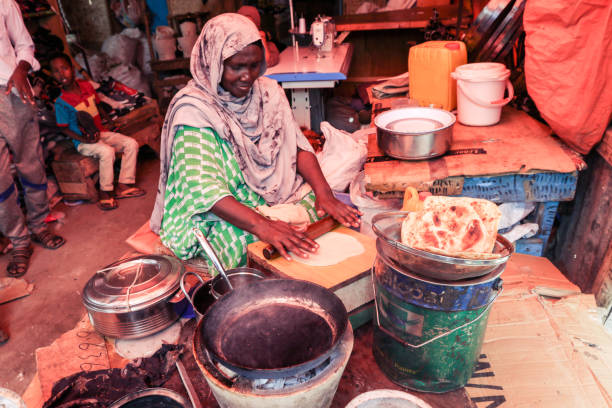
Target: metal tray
387 226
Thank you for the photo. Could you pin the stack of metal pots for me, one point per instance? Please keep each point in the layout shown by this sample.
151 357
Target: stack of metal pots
431 310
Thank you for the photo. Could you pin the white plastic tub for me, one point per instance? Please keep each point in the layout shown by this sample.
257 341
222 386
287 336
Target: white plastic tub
387 399
480 92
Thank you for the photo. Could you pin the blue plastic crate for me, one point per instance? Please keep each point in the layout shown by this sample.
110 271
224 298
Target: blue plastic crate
541 187
532 246
544 215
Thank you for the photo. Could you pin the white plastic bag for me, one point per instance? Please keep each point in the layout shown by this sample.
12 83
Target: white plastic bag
342 156
132 77
368 205
143 54
514 212
122 48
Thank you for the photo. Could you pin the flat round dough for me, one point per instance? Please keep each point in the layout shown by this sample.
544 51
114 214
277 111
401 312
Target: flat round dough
334 247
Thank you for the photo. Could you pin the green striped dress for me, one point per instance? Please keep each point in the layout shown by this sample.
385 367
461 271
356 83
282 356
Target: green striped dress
203 170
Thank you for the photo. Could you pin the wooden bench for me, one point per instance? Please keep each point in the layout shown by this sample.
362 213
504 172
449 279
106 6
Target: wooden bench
77 175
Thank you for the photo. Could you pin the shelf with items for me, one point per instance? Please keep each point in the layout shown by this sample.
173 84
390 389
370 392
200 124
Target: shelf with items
169 75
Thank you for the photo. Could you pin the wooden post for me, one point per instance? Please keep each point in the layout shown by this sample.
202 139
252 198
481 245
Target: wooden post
143 4
584 248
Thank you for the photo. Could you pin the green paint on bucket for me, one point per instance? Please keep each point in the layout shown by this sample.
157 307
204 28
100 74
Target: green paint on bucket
419 346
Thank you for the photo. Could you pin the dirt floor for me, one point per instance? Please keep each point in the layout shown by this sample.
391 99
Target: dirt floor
94 238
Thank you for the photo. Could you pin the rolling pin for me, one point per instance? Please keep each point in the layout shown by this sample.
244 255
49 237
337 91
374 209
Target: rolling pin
313 231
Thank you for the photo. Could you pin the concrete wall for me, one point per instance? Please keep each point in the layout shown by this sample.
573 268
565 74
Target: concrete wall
91 22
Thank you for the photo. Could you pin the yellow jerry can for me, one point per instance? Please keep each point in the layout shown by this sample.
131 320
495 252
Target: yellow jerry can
429 67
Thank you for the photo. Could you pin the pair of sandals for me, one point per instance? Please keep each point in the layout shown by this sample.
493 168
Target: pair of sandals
110 203
20 257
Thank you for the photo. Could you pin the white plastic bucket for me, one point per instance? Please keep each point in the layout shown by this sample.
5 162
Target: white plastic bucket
480 92
165 48
387 399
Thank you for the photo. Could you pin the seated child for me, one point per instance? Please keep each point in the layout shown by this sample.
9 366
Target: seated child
95 140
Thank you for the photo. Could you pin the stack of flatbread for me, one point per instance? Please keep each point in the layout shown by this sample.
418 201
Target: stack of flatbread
460 227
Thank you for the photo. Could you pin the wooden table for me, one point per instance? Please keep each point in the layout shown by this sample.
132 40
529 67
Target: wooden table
304 70
516 160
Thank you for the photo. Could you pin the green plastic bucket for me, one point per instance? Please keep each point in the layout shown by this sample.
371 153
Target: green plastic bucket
428 334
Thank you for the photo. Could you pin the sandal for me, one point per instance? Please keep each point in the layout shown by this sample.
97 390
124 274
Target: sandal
130 192
48 239
107 204
20 260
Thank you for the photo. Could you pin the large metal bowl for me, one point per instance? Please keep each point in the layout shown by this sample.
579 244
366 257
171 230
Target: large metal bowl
387 226
425 132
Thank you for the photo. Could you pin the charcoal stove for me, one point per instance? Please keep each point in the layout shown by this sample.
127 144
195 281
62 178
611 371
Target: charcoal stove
313 388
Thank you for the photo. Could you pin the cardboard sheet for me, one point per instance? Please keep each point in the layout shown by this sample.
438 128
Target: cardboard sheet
534 274
540 352
11 289
518 144
524 362
80 349
578 320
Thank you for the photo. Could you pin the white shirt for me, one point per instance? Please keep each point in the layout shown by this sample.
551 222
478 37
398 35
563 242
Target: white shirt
15 41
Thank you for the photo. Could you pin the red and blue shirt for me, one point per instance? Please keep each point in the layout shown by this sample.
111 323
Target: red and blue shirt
69 103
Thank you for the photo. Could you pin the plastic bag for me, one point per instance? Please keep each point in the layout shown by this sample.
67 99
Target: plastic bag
122 48
567 67
342 157
132 77
143 53
368 205
514 212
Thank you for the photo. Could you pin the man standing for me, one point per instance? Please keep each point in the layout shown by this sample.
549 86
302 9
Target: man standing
20 145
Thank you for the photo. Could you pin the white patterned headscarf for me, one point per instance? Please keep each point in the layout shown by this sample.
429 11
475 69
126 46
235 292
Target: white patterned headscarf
260 126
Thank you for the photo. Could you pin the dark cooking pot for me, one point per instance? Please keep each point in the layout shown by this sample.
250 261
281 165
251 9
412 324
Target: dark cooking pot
150 398
273 328
207 292
238 277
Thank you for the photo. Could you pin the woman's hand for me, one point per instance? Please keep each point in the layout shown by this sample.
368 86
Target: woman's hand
309 168
285 238
344 214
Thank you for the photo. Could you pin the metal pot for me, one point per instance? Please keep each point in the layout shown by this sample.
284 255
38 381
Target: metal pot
131 298
205 294
273 328
151 397
414 133
388 225
238 277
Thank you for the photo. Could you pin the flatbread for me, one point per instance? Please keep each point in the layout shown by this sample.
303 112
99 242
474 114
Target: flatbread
453 226
488 212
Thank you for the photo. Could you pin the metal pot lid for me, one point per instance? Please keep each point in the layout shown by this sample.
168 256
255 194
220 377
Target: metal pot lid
132 284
